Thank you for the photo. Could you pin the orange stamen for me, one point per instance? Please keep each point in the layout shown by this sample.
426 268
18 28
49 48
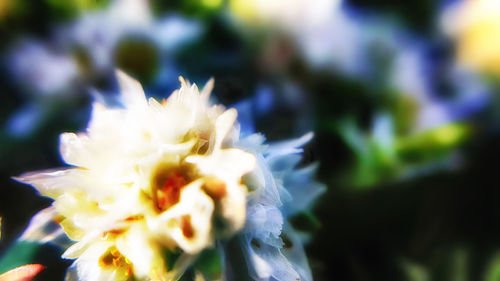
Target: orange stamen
112 233
215 188
187 228
169 194
134 218
113 258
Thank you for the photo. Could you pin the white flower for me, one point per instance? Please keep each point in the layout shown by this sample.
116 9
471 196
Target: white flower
272 248
147 179
100 32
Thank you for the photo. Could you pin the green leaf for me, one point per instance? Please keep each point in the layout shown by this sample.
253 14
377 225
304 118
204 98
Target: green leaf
433 143
20 253
209 264
493 269
415 272
170 258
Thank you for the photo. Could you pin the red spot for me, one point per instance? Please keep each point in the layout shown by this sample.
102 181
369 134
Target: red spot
169 194
111 234
187 228
134 218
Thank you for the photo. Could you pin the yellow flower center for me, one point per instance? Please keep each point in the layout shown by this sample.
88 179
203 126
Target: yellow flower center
112 258
168 194
168 182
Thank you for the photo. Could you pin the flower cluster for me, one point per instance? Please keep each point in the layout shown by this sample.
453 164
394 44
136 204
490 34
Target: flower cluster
148 178
154 184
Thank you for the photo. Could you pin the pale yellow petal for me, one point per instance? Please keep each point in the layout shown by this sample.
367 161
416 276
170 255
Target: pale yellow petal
223 124
228 164
131 90
188 223
145 254
55 182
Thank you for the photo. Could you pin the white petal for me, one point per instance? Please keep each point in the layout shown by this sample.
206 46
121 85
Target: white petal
198 207
265 223
234 208
131 90
207 89
303 188
227 164
44 229
290 146
223 124
266 262
75 149
140 249
88 267
296 254
52 183
80 247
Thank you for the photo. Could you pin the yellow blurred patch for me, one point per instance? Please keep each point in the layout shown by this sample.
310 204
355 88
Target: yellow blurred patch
244 9
4 8
479 36
212 4
443 137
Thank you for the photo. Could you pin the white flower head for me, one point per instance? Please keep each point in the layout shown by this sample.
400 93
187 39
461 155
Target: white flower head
147 179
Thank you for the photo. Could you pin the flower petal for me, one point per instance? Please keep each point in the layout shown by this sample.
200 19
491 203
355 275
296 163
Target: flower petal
294 252
268 263
146 255
44 228
223 124
290 146
303 189
188 222
54 182
131 91
227 164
